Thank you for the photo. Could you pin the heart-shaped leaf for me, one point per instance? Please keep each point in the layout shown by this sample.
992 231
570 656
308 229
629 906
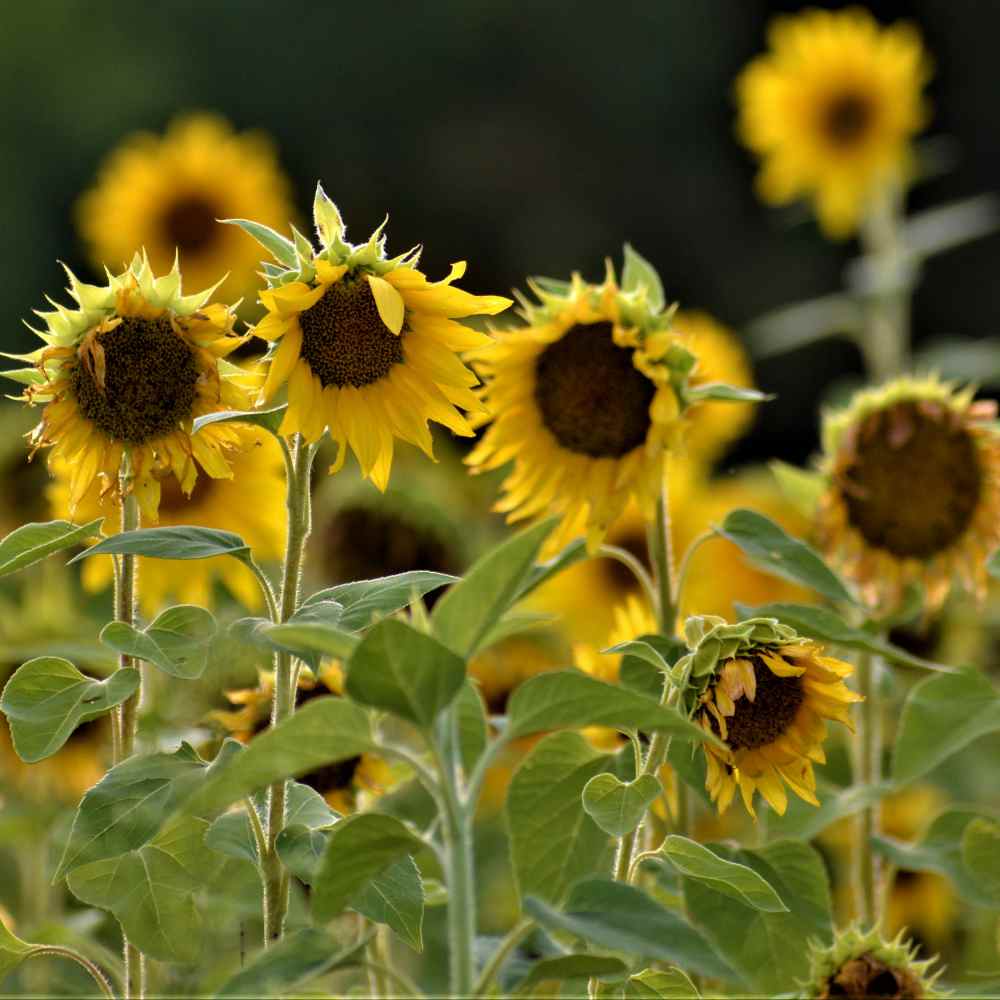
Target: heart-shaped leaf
617 807
177 641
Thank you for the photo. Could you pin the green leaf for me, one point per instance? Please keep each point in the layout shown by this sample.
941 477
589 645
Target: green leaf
623 918
301 850
828 626
358 849
177 641
771 549
803 821
637 273
467 612
278 246
403 671
941 715
617 807
151 891
13 951
366 601
579 966
944 848
31 543
306 806
47 698
696 861
561 699
396 898
183 541
659 984
553 841
981 855
269 420
473 731
706 391
770 950
289 963
542 572
311 633
231 834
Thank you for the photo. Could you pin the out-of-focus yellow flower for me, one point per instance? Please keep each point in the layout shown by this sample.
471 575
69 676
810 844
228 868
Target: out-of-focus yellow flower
831 110
168 192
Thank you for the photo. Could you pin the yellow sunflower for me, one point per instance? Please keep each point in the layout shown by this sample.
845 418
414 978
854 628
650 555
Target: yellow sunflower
124 375
766 693
366 344
168 193
345 785
913 494
252 504
831 110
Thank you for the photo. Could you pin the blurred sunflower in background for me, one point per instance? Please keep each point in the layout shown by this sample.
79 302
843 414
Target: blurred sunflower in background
124 374
168 193
367 345
251 503
22 500
913 495
831 110
346 785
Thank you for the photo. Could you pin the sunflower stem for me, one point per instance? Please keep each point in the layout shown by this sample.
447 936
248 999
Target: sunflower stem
58 951
299 512
869 770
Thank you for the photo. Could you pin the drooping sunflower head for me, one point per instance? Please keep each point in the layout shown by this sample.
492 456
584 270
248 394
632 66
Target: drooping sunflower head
168 193
863 965
831 110
586 399
367 345
766 694
914 490
125 374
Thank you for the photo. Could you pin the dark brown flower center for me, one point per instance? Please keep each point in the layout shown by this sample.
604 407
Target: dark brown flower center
136 382
914 483
846 119
189 223
344 339
592 398
761 721
867 977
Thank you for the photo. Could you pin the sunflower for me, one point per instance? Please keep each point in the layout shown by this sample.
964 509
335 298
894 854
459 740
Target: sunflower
252 504
344 785
124 375
169 192
831 110
766 693
587 400
913 496
862 965
366 344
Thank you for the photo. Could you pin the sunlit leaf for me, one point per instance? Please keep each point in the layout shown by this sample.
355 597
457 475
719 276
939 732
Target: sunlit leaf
182 541
269 420
31 543
618 807
177 641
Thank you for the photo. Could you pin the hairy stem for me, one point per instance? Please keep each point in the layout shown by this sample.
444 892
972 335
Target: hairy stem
514 937
58 951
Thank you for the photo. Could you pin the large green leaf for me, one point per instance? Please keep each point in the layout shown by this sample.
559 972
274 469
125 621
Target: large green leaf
290 963
553 840
944 849
623 918
177 641
770 950
33 542
772 549
578 966
698 862
269 420
661 984
47 698
942 715
314 631
562 699
403 671
182 541
358 849
617 807
395 897
467 612
365 601
231 834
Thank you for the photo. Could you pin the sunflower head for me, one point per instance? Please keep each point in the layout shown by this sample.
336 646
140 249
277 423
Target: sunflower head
587 399
831 110
913 493
766 693
124 374
865 965
366 344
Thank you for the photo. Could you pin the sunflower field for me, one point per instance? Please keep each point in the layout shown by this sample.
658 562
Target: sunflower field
614 614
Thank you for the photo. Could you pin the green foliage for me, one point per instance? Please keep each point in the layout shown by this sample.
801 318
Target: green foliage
314 631
177 640
183 541
470 714
403 671
47 698
671 984
281 248
31 543
618 807
720 391
231 834
269 420
395 897
981 855
579 966
13 951
366 601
